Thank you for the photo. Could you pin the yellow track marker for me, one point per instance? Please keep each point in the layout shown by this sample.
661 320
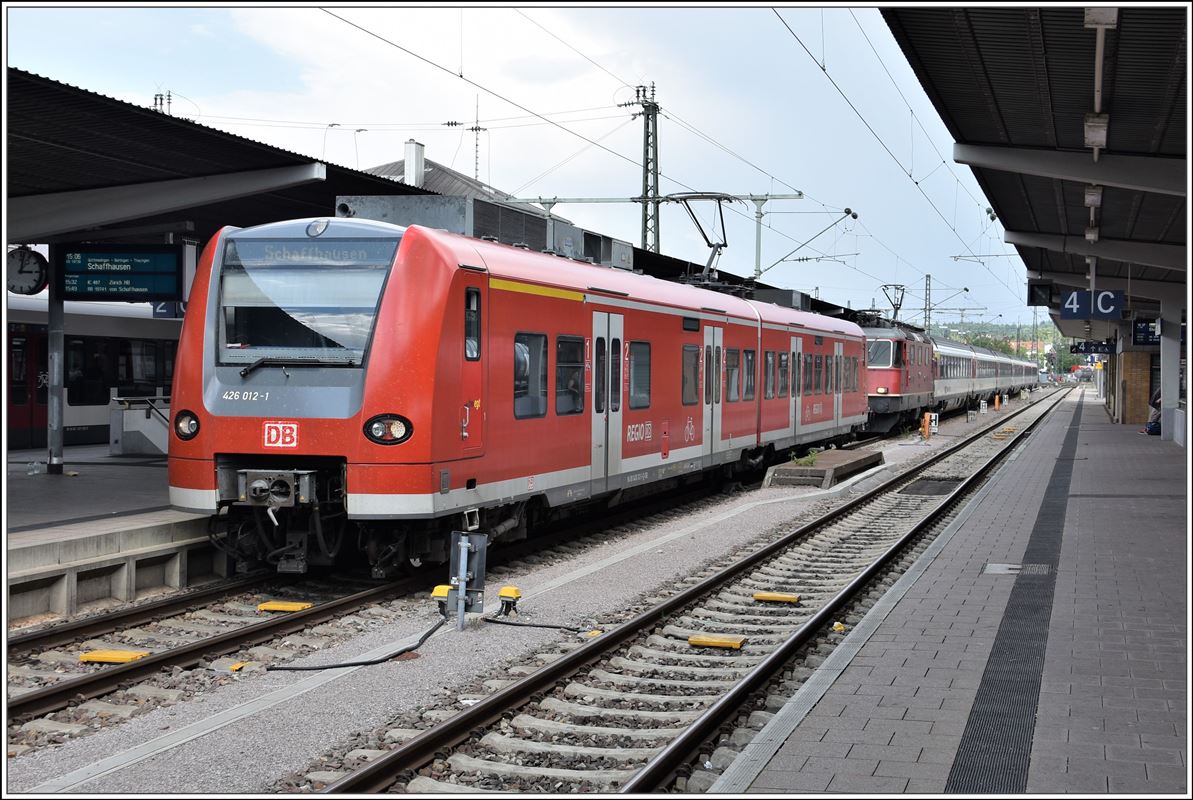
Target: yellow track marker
112 656
776 597
708 640
284 605
239 665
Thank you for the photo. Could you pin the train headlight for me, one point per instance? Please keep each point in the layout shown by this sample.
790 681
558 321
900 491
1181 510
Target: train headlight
388 429
881 390
186 425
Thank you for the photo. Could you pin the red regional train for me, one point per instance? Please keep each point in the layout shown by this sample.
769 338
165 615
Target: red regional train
908 373
345 383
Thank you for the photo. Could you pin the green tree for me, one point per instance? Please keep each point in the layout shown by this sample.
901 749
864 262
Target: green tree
990 343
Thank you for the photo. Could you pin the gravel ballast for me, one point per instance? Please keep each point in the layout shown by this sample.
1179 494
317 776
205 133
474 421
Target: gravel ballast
249 754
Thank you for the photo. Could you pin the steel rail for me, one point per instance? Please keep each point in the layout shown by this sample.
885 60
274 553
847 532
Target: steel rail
380 773
661 769
60 633
60 694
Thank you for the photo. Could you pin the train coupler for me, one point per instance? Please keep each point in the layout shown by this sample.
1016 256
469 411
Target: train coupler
293 557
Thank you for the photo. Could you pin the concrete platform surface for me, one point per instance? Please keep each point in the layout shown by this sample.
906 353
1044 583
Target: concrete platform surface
1039 646
104 486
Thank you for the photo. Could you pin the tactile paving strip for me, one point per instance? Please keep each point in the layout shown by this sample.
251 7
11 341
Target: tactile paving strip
995 750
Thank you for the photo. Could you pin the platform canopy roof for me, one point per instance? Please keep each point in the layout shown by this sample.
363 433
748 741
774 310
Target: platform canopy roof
83 166
86 167
1027 92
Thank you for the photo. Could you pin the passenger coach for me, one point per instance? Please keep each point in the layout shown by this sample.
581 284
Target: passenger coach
345 382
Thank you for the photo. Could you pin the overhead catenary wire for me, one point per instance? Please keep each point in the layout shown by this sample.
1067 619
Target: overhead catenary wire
878 138
914 117
669 114
579 152
533 113
559 39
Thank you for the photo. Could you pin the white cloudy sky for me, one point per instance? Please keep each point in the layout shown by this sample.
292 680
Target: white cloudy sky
746 109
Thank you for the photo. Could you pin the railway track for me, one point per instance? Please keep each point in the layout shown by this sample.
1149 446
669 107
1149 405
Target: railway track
181 636
185 632
632 708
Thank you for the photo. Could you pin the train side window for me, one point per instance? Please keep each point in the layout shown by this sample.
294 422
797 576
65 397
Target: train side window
598 389
639 374
749 369
690 367
708 375
18 379
782 374
615 379
90 371
530 375
816 386
569 375
808 373
169 348
716 376
472 324
732 368
769 385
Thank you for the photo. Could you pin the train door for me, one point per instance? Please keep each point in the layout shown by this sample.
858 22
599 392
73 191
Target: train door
795 368
27 381
838 349
473 398
714 342
609 352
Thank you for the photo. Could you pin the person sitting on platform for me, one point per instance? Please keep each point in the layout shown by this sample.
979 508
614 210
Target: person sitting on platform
1153 418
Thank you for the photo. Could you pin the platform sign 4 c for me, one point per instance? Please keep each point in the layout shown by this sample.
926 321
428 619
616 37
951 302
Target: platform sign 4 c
1102 304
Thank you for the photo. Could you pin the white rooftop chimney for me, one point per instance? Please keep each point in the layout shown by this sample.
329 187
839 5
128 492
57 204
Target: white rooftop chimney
413 169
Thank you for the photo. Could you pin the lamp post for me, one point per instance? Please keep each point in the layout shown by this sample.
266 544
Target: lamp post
330 125
355 147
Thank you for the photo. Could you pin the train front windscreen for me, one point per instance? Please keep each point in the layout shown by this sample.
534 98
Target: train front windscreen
878 353
302 300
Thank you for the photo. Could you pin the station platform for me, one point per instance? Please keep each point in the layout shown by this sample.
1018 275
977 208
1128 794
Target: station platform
1038 646
102 486
100 533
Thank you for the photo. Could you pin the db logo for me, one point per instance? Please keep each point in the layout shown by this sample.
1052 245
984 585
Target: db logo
281 434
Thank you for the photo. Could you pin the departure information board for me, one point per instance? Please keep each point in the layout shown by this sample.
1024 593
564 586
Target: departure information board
132 273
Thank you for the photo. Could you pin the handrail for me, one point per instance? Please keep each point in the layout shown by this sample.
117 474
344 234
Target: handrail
130 402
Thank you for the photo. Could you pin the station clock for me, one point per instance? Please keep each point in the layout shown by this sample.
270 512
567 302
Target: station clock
27 271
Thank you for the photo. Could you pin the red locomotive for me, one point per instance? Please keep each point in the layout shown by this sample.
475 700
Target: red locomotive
353 384
908 373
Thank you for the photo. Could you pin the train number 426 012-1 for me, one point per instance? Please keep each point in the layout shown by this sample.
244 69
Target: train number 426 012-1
238 395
